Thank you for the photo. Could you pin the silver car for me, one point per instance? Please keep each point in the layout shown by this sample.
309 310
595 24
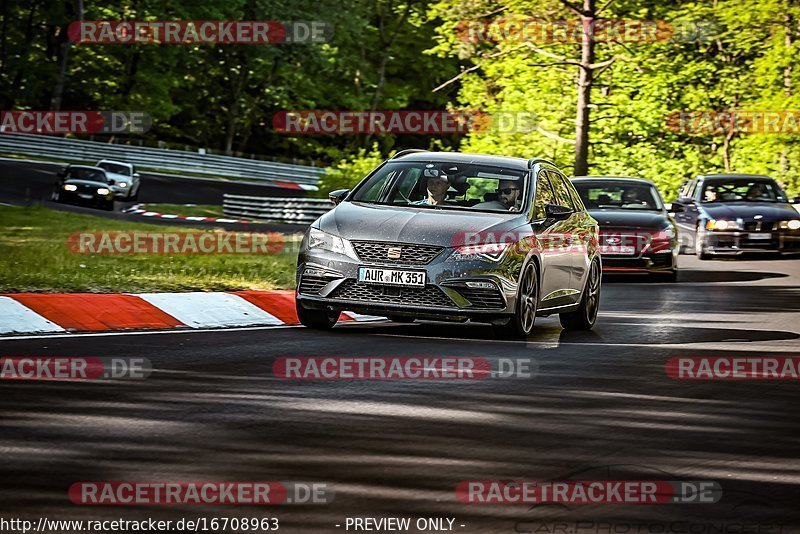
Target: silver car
124 179
456 237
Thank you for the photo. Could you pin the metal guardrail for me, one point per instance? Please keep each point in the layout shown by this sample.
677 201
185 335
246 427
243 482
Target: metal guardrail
75 150
275 209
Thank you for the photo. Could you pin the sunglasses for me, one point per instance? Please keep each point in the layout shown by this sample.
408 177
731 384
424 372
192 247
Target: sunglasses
507 190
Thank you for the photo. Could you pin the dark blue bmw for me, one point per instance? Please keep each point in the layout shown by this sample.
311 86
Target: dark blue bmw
730 214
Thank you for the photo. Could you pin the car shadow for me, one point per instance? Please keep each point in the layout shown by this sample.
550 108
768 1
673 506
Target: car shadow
693 276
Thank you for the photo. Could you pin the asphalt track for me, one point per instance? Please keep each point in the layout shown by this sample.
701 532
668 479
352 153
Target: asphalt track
600 407
24 182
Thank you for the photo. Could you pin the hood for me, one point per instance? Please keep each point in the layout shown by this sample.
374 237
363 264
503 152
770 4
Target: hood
630 219
119 177
90 183
372 222
769 211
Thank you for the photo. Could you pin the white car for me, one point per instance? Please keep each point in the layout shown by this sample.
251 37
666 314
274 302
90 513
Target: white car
123 178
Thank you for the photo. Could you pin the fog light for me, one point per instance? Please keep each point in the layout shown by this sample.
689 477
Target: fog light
481 285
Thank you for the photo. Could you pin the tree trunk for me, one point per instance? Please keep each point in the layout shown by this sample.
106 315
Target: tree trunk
30 37
58 88
585 80
787 88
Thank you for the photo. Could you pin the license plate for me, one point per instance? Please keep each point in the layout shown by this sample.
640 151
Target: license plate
760 236
616 249
391 277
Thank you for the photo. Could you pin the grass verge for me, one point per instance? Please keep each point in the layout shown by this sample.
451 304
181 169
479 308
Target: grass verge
34 257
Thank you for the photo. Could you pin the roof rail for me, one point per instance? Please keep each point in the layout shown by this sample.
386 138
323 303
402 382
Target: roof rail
534 161
407 151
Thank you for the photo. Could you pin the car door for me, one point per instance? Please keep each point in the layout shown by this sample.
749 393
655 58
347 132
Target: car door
685 213
584 228
573 229
555 257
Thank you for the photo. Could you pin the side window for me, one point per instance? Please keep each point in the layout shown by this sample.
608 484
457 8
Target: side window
688 191
577 203
561 192
544 195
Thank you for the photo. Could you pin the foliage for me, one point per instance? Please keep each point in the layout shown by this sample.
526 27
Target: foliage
393 54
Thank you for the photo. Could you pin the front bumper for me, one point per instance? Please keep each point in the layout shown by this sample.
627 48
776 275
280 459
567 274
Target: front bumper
741 242
645 254
649 263
120 192
71 197
328 280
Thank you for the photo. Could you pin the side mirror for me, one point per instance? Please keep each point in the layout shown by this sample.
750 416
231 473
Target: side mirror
136 175
559 213
337 196
112 181
677 208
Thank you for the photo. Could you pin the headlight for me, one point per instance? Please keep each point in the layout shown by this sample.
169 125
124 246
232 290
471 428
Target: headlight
325 241
794 224
70 187
723 225
123 184
102 191
490 251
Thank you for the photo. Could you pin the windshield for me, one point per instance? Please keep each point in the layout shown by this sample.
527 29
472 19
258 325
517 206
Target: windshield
616 196
458 186
116 168
741 191
87 174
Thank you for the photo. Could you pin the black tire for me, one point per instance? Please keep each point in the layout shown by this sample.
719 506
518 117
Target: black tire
134 196
400 319
317 319
585 316
521 324
55 196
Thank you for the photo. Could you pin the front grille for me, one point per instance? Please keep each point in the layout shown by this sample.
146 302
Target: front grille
758 226
610 238
428 296
82 188
378 252
482 298
312 284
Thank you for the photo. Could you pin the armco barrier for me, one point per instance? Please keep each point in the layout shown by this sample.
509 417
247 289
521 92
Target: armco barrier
275 209
282 174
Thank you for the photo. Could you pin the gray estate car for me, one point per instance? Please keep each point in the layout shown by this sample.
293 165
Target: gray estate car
456 237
